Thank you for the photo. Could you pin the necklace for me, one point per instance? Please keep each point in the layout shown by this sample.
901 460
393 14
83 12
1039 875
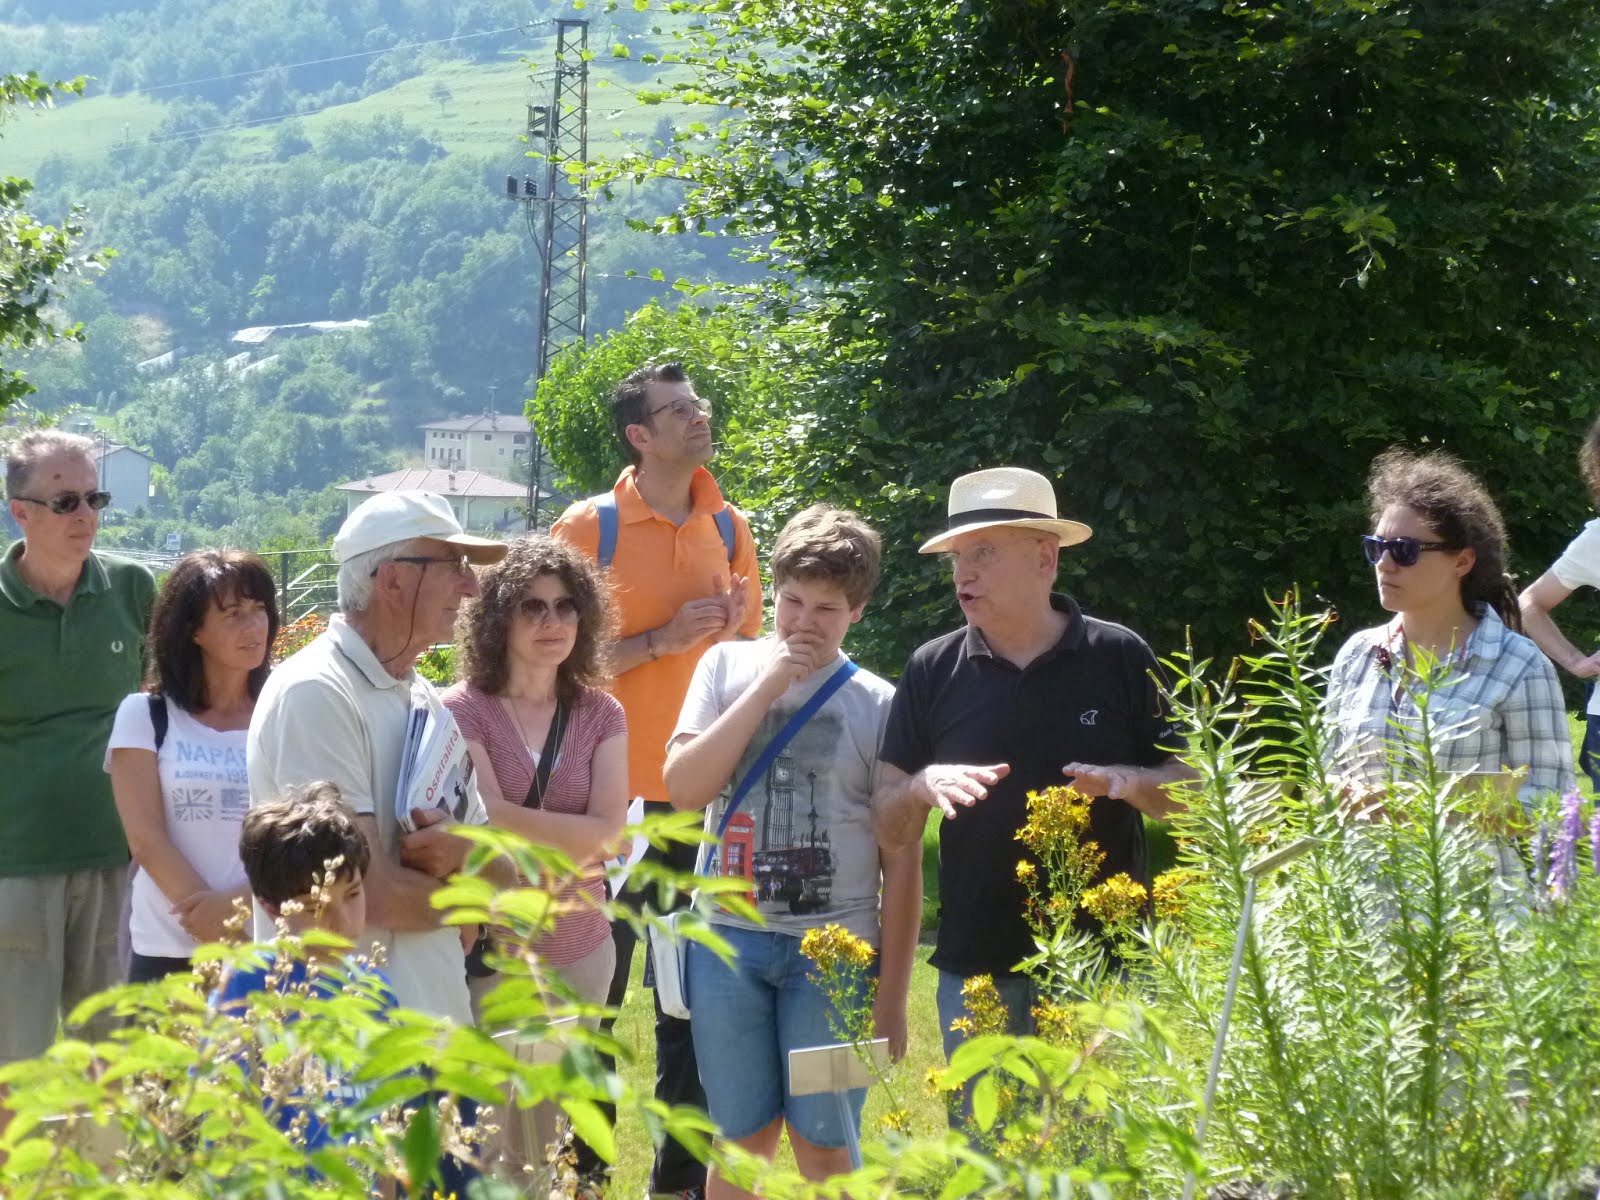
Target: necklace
516 720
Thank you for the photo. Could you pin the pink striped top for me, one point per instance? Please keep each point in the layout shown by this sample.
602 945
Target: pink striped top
580 928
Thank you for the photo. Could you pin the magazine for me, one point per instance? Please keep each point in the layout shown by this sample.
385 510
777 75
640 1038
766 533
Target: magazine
435 771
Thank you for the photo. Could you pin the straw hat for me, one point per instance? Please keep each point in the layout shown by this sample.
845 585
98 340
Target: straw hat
1005 496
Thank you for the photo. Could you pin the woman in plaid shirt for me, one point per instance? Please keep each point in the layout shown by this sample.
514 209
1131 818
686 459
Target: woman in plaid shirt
1438 550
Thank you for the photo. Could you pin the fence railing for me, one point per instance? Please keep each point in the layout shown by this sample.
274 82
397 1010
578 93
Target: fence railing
307 581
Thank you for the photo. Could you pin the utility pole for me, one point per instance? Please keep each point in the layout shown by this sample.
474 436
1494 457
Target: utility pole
563 128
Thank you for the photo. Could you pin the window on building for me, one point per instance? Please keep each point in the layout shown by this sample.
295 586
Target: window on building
502 451
488 437
519 438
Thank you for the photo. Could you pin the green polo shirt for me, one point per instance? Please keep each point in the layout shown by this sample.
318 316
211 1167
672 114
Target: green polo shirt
63 671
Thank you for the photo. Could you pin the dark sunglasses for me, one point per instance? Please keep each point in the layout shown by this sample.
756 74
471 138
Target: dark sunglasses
1403 550
67 502
538 611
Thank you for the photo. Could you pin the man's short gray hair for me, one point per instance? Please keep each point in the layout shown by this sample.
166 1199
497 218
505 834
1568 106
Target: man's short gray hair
33 447
356 572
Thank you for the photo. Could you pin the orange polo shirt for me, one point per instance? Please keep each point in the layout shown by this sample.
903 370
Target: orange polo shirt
659 567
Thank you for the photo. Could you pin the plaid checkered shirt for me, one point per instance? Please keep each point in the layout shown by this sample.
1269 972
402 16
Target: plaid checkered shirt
1495 706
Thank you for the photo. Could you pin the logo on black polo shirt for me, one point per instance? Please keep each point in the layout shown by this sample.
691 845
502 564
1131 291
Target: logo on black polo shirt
1088 716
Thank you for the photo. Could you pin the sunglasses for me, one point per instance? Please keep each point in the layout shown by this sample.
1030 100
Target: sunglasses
564 610
461 565
67 502
1403 550
683 410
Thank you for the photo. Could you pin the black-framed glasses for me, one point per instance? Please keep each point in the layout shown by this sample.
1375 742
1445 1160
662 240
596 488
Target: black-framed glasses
460 563
67 502
539 610
1403 550
682 408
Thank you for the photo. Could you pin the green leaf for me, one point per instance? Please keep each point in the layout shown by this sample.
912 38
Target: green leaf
420 1148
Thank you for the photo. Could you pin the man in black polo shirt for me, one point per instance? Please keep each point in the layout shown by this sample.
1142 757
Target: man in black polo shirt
1030 692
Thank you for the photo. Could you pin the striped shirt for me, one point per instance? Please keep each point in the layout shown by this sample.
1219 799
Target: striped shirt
580 927
1499 707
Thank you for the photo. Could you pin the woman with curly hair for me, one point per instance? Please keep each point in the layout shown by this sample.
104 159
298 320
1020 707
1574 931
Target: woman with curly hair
550 749
1438 550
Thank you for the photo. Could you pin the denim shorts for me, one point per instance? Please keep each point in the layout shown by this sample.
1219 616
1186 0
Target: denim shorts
746 1018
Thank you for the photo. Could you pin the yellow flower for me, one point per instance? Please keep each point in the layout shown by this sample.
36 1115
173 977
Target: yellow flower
896 1120
1058 817
986 1013
933 1081
1168 892
1056 1023
834 947
1025 871
1115 902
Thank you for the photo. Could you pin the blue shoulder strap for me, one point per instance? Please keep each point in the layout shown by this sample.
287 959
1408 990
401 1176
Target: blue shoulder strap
775 747
724 520
605 506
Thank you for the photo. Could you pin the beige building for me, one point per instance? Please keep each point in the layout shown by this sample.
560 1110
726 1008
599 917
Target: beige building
480 501
492 442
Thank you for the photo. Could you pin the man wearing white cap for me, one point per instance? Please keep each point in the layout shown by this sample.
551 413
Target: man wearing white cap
337 710
1024 697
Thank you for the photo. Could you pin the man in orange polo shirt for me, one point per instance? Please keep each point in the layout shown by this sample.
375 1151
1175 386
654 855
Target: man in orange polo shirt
683 569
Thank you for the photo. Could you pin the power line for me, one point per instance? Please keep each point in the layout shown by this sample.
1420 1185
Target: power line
317 62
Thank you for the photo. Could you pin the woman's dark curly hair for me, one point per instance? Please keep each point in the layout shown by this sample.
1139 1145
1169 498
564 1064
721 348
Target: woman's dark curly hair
1445 494
485 622
201 579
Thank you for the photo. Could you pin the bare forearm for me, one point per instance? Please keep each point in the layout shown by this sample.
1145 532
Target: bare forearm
699 768
899 813
1152 793
401 899
902 923
1539 625
165 864
580 836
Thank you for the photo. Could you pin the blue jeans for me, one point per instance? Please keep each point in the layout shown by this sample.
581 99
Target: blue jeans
1589 753
746 1018
1016 994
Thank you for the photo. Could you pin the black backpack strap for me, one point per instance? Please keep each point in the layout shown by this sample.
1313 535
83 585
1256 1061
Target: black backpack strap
158 717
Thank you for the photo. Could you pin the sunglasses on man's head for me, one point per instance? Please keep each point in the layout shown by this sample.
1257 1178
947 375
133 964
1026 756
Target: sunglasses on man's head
1403 550
67 502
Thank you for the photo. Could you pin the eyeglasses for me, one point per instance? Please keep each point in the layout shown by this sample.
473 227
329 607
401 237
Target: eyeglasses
461 565
682 408
564 610
1404 551
67 502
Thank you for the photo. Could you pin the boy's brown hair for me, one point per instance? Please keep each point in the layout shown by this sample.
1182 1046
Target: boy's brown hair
830 544
287 845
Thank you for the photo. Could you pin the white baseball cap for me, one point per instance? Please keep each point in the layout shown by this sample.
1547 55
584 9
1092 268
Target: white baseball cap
400 516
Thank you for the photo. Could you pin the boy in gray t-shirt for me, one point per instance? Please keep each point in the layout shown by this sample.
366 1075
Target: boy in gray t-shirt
802 838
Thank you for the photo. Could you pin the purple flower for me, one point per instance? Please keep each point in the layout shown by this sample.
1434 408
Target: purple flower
1594 839
1385 659
1564 854
1538 847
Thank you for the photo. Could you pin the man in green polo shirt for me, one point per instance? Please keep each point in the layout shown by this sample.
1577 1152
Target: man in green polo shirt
72 626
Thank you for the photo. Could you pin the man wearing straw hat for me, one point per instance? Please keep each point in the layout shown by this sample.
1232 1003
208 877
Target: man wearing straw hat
1029 694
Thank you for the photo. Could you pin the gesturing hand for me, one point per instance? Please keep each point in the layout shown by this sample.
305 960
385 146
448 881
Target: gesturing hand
1092 780
947 787
691 625
736 600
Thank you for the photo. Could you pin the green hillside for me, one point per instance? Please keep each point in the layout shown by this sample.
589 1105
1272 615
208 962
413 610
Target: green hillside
83 130
484 115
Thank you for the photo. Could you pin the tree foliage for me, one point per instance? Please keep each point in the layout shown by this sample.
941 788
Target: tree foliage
34 257
1198 262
